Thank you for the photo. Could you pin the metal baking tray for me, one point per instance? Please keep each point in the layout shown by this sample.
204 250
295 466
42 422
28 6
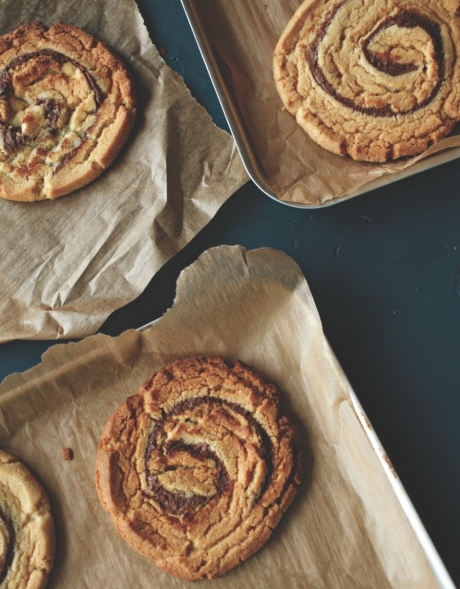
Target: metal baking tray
440 571
240 133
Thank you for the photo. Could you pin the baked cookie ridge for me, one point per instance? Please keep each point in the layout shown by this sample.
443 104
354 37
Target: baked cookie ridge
205 469
67 105
375 80
27 537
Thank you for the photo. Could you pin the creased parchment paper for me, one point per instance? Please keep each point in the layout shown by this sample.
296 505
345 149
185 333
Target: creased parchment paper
66 265
245 33
344 530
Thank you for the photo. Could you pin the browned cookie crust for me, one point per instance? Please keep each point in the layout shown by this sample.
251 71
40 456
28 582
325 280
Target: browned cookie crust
197 468
26 528
67 105
374 79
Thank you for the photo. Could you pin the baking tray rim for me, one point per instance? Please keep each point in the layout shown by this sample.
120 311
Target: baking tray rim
243 142
432 555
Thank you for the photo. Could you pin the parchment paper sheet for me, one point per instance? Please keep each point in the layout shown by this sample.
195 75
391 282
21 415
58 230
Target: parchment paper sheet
344 530
245 33
66 265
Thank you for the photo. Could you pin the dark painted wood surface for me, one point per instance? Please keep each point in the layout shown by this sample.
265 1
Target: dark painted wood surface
384 269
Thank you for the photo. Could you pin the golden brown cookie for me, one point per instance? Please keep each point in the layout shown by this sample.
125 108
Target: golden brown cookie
67 105
197 469
374 79
26 528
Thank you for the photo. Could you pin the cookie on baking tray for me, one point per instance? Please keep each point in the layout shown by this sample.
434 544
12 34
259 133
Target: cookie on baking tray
26 528
199 466
67 105
374 79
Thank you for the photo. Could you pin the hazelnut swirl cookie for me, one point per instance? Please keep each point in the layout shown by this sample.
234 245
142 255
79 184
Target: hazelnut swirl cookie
198 468
67 105
26 528
374 79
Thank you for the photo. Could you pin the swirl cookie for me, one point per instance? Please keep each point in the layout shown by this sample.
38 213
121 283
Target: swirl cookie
374 79
26 528
66 108
198 468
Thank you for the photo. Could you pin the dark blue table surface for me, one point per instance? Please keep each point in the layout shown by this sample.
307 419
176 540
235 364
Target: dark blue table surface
384 269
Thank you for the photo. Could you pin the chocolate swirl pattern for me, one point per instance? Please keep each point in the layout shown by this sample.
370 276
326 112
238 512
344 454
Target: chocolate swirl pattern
198 468
66 107
26 528
373 79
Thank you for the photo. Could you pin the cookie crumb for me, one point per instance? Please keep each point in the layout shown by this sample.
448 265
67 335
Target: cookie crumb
67 453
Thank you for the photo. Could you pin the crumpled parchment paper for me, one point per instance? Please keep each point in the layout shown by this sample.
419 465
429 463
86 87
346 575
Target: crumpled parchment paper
345 529
65 265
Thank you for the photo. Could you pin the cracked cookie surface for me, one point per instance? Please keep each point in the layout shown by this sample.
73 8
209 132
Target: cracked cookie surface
197 469
374 79
67 105
26 528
